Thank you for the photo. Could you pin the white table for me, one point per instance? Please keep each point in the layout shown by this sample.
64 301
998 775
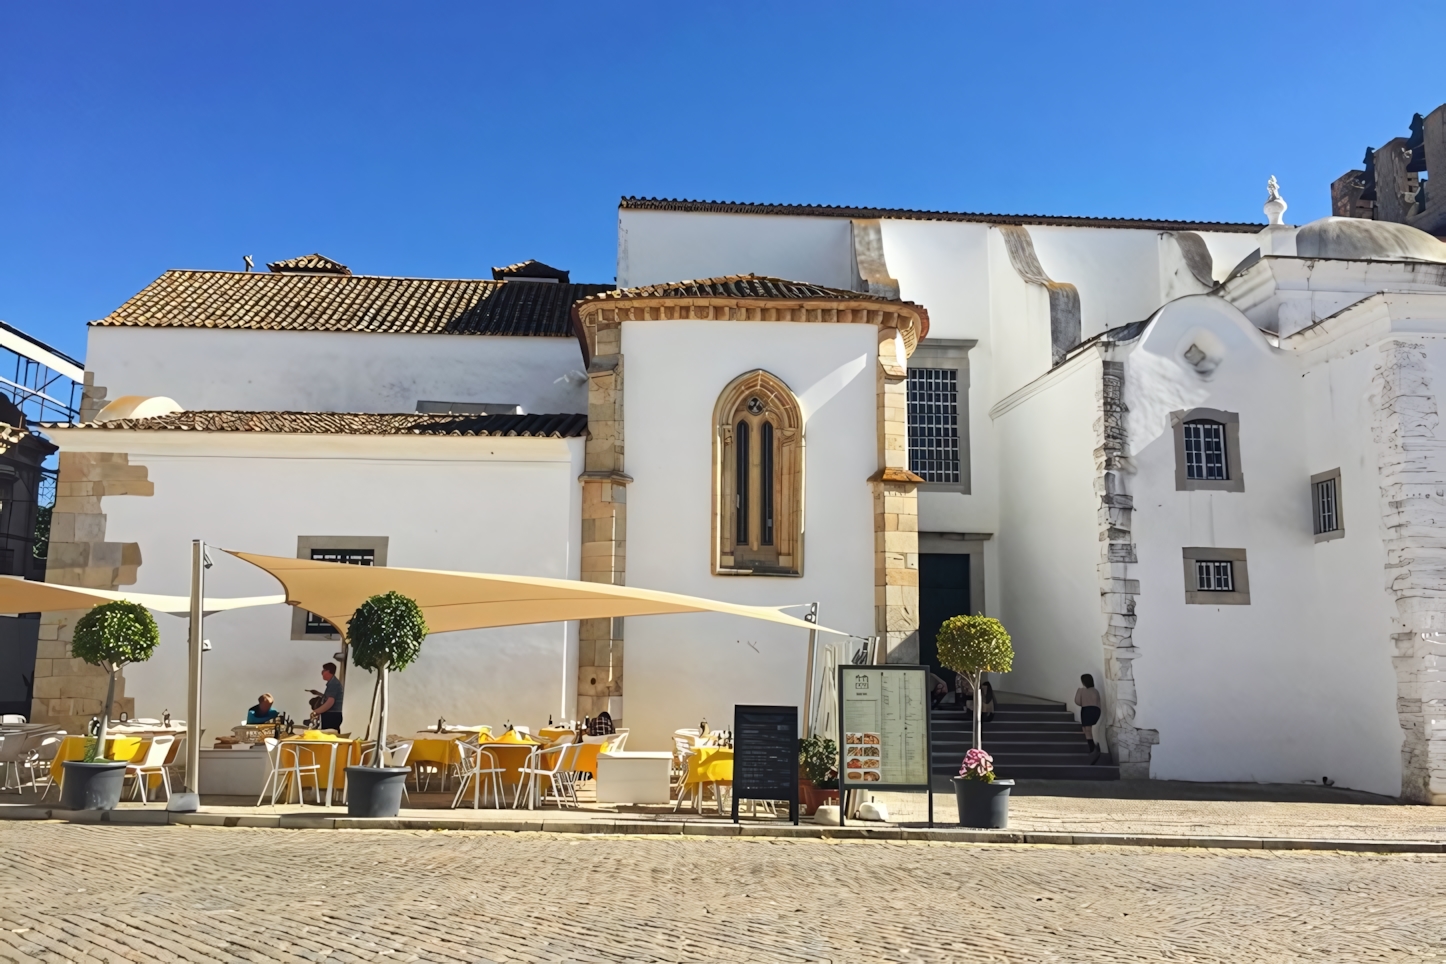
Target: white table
234 773
633 777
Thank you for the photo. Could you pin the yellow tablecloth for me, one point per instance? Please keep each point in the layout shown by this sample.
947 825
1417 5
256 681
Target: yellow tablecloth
710 764
441 751
510 750
73 748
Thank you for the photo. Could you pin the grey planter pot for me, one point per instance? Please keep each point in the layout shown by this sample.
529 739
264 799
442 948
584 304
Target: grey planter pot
375 791
983 805
92 786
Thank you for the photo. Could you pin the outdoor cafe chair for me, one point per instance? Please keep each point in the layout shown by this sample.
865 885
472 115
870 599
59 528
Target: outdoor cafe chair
559 775
40 755
12 754
11 719
480 771
153 761
286 776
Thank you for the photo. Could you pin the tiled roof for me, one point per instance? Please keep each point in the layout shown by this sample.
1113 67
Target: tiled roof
309 264
739 286
530 269
905 214
348 423
331 302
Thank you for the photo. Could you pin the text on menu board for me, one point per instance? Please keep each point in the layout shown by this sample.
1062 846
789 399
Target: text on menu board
885 726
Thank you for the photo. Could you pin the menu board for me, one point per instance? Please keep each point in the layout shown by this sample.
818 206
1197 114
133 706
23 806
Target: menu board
884 727
765 755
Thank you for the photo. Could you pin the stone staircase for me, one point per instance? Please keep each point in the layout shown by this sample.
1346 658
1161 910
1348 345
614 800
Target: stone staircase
1029 741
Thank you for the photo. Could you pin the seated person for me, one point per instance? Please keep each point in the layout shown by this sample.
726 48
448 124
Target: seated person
938 689
262 712
601 725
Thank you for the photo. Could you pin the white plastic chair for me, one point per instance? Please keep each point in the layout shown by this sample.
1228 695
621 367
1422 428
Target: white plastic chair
154 761
559 775
617 740
12 753
9 719
40 755
478 769
288 776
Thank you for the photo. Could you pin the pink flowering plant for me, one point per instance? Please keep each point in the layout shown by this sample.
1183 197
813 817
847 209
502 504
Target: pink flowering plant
978 765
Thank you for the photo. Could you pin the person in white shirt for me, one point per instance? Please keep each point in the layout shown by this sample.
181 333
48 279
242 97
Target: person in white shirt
1087 698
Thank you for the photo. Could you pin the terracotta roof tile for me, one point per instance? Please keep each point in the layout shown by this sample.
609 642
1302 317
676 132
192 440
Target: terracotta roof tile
309 264
332 302
906 214
348 423
738 286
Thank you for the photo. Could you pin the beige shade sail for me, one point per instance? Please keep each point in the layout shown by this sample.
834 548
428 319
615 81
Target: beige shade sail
23 596
470 600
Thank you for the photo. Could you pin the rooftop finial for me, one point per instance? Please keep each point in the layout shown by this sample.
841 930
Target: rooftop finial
1274 204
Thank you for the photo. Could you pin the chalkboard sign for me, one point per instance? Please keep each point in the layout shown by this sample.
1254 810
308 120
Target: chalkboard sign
765 755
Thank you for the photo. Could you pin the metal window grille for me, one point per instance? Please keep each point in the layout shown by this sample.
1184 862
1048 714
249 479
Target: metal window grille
351 557
934 424
740 485
1327 518
1214 575
1205 451
765 485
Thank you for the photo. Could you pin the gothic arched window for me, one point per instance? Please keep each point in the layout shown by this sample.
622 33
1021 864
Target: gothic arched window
758 478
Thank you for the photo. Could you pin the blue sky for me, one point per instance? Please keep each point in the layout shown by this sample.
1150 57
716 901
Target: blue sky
441 139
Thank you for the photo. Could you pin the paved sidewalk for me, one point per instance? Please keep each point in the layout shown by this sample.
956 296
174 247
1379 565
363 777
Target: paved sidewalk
1149 813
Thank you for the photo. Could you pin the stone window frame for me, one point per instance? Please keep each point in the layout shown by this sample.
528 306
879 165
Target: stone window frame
950 353
304 546
1339 532
1235 481
782 410
1239 576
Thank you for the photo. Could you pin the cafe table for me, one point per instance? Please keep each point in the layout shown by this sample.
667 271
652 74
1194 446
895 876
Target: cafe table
313 742
511 750
440 749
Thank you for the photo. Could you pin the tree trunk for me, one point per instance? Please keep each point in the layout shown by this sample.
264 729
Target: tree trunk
382 721
105 712
978 710
372 708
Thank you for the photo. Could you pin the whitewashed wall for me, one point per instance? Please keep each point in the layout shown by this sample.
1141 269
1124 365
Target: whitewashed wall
1049 549
469 504
680 669
1299 684
328 371
659 246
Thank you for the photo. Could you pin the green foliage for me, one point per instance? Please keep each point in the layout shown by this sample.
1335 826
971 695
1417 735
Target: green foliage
92 750
818 759
40 548
115 633
386 631
975 644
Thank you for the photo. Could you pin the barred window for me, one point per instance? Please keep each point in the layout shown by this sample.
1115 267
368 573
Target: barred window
1327 511
934 424
1205 450
1214 575
315 625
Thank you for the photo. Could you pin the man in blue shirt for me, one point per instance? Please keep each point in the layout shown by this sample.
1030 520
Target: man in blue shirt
262 712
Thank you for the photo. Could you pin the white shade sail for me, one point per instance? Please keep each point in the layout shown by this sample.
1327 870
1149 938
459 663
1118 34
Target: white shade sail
23 596
470 600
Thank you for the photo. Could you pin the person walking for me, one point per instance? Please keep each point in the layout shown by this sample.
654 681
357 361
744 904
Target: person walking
1087 698
330 709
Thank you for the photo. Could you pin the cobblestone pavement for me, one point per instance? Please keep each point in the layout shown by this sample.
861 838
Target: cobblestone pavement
93 893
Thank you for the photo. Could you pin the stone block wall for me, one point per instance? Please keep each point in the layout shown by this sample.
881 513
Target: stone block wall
68 691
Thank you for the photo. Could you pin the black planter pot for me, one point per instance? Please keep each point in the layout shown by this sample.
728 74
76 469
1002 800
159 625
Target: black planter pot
92 786
375 791
983 805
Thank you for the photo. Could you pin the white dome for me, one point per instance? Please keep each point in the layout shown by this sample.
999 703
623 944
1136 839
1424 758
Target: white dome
1356 239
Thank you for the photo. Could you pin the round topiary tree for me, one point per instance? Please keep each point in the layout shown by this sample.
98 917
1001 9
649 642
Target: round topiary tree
113 635
975 645
385 634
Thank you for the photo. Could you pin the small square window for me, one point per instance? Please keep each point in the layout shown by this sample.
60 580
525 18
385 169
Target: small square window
1205 450
1214 575
315 625
348 550
1325 504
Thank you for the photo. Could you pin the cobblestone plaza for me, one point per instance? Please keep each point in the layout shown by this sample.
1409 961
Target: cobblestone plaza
94 893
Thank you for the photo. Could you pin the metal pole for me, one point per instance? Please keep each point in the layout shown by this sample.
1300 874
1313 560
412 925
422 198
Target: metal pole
193 701
811 617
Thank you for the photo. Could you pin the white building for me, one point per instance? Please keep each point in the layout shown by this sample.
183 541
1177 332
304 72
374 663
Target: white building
1196 460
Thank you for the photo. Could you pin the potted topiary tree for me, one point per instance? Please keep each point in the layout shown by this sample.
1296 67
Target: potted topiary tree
385 635
111 636
973 646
